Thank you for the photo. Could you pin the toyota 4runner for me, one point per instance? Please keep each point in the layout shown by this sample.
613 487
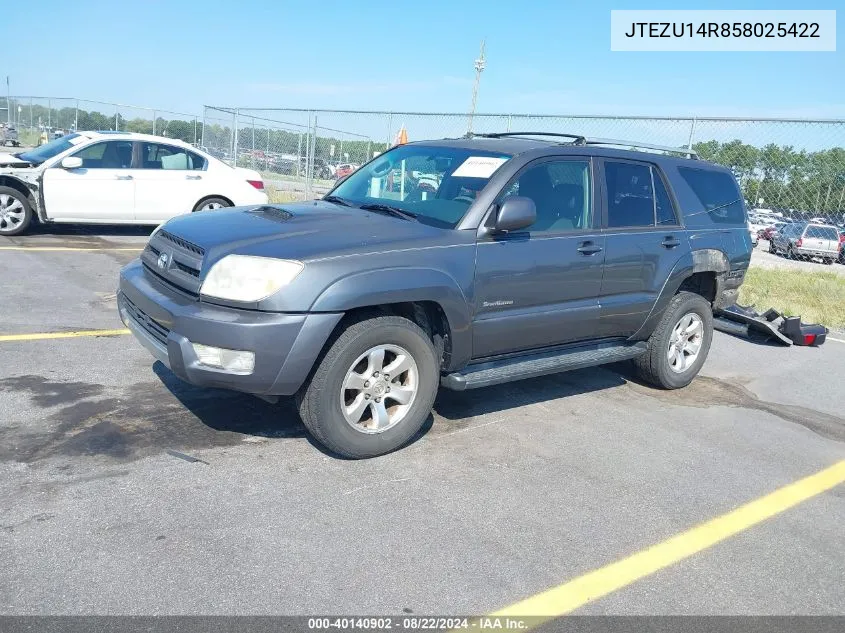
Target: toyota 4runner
461 262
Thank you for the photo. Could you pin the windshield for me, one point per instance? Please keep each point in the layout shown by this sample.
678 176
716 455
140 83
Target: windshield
53 148
435 184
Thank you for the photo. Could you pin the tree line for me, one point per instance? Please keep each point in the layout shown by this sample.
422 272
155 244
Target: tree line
808 183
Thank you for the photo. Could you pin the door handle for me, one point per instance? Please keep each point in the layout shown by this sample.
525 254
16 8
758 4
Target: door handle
189 177
588 248
670 242
124 177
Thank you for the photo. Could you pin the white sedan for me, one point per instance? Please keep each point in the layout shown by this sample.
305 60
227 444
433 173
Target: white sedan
117 178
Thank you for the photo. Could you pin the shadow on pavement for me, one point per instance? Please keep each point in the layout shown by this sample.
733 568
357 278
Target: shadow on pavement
90 230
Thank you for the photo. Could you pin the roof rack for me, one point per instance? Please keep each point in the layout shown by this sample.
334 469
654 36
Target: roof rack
683 151
577 139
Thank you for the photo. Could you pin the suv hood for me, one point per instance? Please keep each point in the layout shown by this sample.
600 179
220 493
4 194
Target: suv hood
303 231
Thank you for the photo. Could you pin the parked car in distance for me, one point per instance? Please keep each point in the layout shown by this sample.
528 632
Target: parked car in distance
842 246
363 303
117 178
9 136
769 232
805 240
343 170
754 232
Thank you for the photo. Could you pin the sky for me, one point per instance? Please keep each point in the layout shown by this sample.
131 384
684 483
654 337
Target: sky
543 56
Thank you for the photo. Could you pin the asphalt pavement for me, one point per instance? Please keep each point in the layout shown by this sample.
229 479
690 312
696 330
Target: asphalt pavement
125 491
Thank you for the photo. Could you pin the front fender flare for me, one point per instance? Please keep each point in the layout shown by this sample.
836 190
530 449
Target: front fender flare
399 285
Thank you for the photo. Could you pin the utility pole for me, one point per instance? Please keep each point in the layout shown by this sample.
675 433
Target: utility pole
480 64
8 101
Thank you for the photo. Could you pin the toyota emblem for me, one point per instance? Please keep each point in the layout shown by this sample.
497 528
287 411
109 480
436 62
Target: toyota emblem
162 261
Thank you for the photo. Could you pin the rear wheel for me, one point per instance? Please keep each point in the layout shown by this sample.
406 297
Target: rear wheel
15 212
828 261
679 345
772 248
373 389
210 204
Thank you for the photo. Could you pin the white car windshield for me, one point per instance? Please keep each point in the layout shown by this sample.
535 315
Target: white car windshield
48 150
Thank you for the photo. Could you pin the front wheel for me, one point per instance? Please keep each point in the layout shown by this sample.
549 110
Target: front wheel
828 261
15 212
373 389
679 345
772 249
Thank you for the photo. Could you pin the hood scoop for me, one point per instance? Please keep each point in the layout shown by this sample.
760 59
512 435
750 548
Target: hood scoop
274 214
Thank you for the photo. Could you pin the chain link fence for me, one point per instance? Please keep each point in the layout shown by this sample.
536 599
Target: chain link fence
793 168
36 116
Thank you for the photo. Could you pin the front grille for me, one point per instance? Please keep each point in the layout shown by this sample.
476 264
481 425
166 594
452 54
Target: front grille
182 242
194 294
150 325
193 272
174 261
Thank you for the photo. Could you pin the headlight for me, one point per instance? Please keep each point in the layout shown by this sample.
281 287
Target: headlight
247 278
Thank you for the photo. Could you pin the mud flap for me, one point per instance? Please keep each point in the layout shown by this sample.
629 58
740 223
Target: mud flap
745 321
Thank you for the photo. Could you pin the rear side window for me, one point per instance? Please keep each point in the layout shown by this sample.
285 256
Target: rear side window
717 192
158 156
630 197
822 233
636 196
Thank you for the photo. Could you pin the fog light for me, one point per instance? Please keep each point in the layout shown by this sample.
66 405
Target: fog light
232 360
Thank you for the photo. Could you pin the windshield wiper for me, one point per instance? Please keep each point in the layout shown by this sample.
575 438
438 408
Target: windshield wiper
386 208
338 200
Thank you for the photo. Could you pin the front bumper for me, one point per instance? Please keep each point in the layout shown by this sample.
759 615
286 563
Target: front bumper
167 322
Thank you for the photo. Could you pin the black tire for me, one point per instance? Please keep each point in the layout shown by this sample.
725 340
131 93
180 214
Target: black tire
319 400
828 261
772 249
653 366
790 254
207 201
9 228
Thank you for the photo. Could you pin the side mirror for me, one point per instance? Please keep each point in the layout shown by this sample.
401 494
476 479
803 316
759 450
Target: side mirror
516 212
71 162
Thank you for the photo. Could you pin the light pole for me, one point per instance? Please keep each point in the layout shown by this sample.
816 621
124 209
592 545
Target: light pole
479 65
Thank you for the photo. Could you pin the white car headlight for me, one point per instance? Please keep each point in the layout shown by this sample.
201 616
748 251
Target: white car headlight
248 278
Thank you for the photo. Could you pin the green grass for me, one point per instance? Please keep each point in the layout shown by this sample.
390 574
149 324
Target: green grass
280 197
817 297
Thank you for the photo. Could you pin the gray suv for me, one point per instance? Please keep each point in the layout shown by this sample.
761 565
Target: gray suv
460 262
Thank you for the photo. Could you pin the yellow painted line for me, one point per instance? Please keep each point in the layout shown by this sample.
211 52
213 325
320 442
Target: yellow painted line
65 248
569 596
42 336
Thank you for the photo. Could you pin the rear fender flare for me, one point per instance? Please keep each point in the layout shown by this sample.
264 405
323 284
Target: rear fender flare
697 261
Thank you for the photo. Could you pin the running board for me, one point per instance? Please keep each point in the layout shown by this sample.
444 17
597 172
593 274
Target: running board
540 364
